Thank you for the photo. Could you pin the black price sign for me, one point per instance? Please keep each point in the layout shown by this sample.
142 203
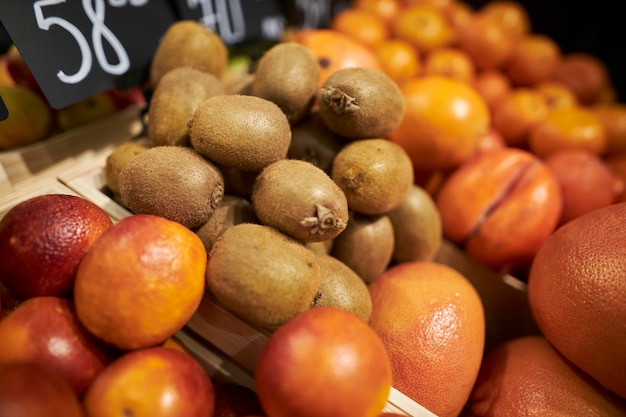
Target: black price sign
78 48
4 112
237 21
315 13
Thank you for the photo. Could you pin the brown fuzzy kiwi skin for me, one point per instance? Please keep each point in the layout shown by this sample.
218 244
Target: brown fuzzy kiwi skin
173 182
342 288
174 102
188 43
300 200
313 142
242 132
366 245
121 155
288 74
232 210
261 275
416 227
375 174
360 103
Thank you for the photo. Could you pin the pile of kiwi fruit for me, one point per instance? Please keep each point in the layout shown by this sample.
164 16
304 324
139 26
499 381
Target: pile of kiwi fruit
290 183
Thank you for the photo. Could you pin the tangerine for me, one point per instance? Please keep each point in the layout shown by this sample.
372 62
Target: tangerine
587 183
585 74
493 85
517 114
335 50
361 24
444 121
424 26
511 15
400 59
486 42
534 58
612 117
568 128
385 9
449 62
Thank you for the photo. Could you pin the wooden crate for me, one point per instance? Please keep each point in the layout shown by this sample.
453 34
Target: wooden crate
224 344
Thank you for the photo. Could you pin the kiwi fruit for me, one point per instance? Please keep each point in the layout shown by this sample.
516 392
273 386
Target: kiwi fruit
321 247
232 210
173 182
366 245
361 103
237 182
188 43
261 275
375 175
416 227
121 155
239 131
313 142
174 101
288 74
342 288
300 200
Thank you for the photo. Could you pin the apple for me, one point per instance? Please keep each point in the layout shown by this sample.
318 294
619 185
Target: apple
30 389
235 400
46 330
20 73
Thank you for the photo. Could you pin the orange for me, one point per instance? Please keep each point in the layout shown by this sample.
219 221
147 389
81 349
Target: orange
526 376
335 50
385 9
535 58
443 122
500 206
512 15
31 389
141 281
568 128
324 362
458 14
150 382
612 117
361 24
42 241
449 62
517 114
46 330
431 320
576 291
493 85
585 74
556 94
486 42
586 181
617 164
400 59
424 26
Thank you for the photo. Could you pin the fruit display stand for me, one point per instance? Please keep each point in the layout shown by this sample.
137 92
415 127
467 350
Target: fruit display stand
226 346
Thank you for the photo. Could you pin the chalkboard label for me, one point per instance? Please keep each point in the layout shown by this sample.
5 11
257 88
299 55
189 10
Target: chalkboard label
237 21
4 112
78 48
314 13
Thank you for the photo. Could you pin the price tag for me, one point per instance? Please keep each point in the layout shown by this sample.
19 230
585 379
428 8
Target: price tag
78 48
4 112
237 21
314 13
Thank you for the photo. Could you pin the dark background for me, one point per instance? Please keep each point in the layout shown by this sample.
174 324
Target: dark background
595 27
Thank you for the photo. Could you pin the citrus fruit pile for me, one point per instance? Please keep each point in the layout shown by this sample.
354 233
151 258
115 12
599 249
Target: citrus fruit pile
310 196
